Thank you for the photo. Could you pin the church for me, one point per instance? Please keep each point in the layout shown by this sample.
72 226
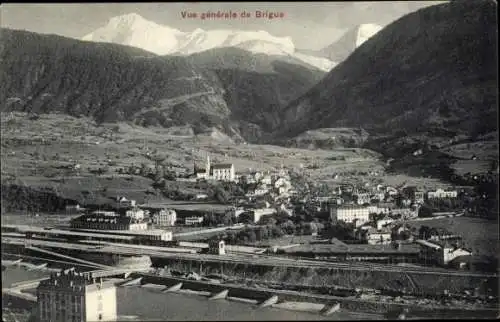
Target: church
218 172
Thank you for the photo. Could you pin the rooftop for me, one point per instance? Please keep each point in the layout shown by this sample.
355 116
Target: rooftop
73 280
222 166
353 249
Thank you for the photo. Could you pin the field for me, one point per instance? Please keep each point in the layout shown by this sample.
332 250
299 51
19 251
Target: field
40 221
479 234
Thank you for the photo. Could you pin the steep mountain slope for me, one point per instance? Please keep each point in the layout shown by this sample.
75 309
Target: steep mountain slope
46 73
432 72
134 30
257 86
238 92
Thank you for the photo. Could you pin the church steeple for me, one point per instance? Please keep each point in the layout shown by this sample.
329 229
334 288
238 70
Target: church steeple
207 168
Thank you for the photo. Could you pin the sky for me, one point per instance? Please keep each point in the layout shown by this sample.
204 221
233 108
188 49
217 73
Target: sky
312 25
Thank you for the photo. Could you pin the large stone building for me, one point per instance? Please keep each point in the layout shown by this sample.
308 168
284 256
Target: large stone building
218 172
165 217
350 214
70 296
135 213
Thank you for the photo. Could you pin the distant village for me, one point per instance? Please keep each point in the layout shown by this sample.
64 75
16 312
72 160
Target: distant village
373 216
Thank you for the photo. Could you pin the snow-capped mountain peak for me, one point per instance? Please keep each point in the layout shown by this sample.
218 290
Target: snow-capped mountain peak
365 32
134 30
352 39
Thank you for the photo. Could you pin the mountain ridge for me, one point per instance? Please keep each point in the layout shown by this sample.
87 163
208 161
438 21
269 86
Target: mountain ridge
113 83
431 69
134 30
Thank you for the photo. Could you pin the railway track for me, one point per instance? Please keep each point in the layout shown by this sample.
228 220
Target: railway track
254 259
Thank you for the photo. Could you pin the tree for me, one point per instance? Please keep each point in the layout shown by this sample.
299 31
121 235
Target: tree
252 237
425 211
144 169
424 232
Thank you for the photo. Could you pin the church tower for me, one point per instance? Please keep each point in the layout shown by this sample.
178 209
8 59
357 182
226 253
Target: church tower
207 168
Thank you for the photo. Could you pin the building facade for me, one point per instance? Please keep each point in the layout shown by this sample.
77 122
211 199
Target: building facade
441 253
440 193
219 172
363 198
165 217
101 221
259 213
70 296
217 247
350 214
375 236
193 221
135 213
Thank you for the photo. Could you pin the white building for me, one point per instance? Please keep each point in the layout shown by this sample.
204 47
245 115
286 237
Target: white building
363 198
259 213
440 253
375 236
135 213
217 247
219 172
261 190
223 172
267 180
70 296
124 202
192 221
440 193
282 182
350 214
165 217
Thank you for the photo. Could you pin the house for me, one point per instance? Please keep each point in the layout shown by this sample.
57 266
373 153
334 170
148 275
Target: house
124 202
135 213
201 196
165 217
363 198
261 190
282 182
440 252
259 213
374 236
267 180
238 211
193 221
418 196
442 194
73 208
350 214
391 191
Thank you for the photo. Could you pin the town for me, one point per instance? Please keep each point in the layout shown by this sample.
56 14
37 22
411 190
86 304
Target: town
276 216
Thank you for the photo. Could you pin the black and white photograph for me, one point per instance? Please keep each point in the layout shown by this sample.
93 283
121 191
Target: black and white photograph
249 161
